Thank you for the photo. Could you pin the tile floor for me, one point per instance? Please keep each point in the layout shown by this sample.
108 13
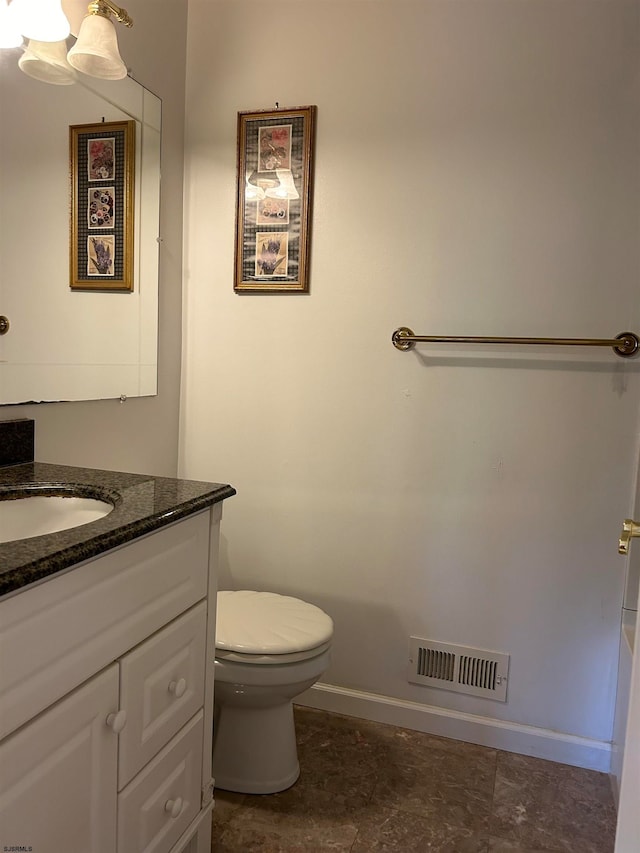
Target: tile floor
366 787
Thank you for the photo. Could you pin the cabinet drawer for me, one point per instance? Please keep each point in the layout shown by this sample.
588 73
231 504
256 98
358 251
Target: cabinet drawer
161 688
160 803
96 612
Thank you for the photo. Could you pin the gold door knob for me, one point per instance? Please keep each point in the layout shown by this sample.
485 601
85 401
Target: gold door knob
630 530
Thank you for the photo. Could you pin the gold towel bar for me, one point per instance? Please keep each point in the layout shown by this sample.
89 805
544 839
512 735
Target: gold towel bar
625 344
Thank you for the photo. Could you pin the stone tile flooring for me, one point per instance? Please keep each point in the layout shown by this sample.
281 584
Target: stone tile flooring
366 787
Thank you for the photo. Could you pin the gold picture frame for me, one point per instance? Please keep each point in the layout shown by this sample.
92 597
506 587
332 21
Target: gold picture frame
101 165
274 196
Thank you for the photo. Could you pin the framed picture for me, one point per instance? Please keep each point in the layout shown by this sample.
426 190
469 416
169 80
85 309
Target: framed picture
101 161
273 207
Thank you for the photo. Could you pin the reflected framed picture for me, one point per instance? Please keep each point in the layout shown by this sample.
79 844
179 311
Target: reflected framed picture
101 166
274 196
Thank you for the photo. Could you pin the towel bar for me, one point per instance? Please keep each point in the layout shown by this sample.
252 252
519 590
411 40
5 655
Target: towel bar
626 344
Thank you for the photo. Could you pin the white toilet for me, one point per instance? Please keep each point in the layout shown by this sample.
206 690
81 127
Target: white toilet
269 649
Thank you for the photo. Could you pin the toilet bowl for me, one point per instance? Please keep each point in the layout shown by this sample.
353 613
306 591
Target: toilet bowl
269 649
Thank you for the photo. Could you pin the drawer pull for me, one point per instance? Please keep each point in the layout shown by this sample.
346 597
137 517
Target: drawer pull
173 807
117 722
178 687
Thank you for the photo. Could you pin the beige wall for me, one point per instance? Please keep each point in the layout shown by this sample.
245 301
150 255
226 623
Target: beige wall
141 434
477 174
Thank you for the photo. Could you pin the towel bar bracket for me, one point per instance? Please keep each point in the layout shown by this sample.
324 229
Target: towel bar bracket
629 346
626 344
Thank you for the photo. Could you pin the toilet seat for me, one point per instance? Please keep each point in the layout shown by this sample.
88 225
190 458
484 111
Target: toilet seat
292 657
264 627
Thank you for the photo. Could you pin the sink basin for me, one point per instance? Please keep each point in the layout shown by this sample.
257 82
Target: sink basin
25 513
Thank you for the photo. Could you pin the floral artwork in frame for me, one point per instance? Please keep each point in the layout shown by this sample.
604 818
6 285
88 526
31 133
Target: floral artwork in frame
273 204
101 162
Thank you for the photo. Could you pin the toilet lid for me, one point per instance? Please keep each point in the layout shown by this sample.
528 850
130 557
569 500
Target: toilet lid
267 623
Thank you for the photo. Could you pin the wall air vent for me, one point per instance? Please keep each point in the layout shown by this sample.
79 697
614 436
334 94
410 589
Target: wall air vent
459 668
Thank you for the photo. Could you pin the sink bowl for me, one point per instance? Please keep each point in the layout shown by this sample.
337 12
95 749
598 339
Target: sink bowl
36 511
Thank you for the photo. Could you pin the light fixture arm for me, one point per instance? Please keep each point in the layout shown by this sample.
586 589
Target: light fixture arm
105 8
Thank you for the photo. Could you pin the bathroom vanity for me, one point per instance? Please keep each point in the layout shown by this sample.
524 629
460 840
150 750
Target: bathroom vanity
107 645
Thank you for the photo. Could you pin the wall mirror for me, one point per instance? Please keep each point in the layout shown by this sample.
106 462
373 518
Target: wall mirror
63 344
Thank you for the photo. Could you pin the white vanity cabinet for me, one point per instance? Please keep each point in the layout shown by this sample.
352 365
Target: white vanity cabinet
106 699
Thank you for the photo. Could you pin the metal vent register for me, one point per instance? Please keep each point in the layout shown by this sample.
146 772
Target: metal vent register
459 668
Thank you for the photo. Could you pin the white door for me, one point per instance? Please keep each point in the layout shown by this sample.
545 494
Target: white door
58 775
628 830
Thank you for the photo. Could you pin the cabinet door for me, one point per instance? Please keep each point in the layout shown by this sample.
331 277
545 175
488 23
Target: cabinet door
58 775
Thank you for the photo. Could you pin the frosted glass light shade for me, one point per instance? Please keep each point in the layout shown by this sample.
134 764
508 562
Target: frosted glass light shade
251 192
96 51
286 187
263 179
47 61
10 35
40 20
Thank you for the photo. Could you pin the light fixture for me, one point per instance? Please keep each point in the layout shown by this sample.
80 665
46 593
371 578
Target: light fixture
47 61
263 179
46 26
252 192
10 35
286 187
96 51
41 20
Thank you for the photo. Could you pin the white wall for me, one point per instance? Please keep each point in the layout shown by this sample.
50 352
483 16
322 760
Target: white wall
476 173
142 434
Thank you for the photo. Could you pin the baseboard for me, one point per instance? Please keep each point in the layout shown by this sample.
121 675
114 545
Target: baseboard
486 731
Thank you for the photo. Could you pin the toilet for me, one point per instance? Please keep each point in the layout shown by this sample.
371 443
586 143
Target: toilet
269 649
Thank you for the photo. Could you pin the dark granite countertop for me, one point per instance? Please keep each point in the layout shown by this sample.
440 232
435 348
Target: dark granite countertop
143 503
